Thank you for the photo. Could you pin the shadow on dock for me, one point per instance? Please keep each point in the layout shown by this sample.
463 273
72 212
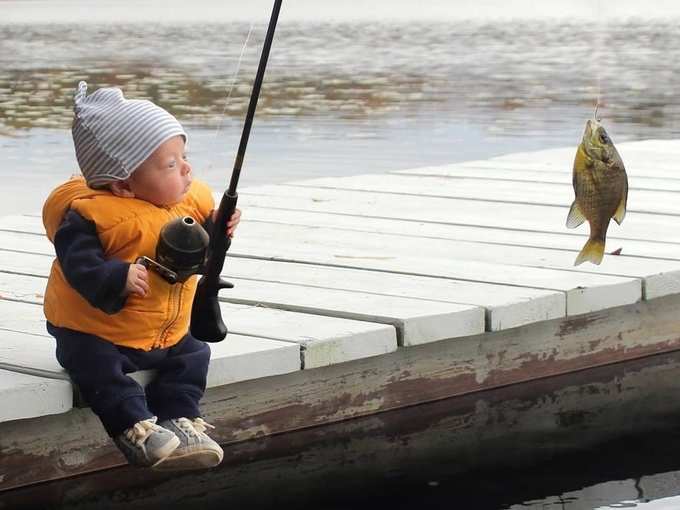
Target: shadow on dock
478 451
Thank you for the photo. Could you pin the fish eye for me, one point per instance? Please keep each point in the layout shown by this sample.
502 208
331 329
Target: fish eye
604 138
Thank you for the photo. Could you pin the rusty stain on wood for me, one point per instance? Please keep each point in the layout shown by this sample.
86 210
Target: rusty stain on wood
578 323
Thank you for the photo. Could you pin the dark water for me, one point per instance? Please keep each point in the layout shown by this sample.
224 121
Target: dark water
598 439
340 98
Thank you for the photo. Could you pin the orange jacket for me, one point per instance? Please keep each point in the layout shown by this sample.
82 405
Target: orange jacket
127 228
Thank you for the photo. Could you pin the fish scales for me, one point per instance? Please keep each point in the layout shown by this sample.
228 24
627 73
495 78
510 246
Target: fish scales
600 187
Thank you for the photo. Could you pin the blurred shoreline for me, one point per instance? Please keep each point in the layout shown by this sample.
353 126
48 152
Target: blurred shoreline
341 97
169 11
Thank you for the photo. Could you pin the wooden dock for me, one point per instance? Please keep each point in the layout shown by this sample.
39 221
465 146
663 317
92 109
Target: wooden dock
363 294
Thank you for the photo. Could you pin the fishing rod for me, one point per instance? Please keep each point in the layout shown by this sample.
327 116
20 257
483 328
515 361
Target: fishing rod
206 318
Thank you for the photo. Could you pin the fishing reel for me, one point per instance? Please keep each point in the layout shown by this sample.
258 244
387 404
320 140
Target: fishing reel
181 251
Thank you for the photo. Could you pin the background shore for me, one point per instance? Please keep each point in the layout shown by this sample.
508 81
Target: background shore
358 88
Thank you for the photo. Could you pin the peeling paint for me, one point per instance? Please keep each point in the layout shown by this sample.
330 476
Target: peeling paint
73 458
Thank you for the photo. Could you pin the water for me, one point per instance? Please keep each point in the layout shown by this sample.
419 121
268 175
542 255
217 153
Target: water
360 87
348 90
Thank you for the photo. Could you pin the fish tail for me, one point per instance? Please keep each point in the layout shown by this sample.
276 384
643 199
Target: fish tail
593 252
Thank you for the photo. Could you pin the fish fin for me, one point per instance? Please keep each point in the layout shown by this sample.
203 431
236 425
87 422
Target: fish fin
621 209
593 252
575 217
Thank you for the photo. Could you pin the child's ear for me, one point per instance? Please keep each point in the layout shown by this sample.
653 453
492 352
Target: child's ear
121 189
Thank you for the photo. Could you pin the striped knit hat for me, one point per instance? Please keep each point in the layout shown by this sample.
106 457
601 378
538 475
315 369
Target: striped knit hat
113 135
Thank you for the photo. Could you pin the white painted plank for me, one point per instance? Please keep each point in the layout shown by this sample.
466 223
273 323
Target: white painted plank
27 396
565 240
655 146
643 150
658 160
665 284
23 318
542 193
22 288
500 274
611 291
506 306
576 285
418 321
29 352
661 169
359 225
239 359
324 340
652 149
661 277
493 222
22 223
639 226
658 232
17 242
460 173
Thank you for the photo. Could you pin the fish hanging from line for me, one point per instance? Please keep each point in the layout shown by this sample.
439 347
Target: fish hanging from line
601 189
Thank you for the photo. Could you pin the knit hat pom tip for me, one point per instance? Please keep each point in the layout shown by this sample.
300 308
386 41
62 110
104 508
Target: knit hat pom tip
80 92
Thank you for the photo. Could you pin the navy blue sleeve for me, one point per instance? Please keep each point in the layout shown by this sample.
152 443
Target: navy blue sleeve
81 256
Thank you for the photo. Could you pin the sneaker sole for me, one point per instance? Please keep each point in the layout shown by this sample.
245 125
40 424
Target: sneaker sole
188 461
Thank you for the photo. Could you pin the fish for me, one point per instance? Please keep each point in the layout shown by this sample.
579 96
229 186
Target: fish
601 189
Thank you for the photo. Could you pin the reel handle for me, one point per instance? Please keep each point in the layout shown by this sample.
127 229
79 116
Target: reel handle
167 274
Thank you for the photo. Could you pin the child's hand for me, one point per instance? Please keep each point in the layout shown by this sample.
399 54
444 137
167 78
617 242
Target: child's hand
137 280
232 223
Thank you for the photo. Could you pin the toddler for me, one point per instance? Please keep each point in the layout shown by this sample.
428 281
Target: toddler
110 316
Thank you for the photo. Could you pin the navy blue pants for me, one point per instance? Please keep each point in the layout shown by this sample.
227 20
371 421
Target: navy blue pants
99 369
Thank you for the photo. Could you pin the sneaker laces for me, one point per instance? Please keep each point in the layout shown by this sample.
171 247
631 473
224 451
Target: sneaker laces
141 430
195 427
201 425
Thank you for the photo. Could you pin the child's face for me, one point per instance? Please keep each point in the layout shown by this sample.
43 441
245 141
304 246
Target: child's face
165 176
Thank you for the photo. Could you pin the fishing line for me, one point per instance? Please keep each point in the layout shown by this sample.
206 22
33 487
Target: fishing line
233 78
599 40
226 101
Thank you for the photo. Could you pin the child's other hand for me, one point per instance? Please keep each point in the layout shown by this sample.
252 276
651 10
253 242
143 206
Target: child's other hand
137 280
232 223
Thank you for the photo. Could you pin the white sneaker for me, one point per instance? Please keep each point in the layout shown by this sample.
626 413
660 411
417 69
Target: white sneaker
196 450
147 444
